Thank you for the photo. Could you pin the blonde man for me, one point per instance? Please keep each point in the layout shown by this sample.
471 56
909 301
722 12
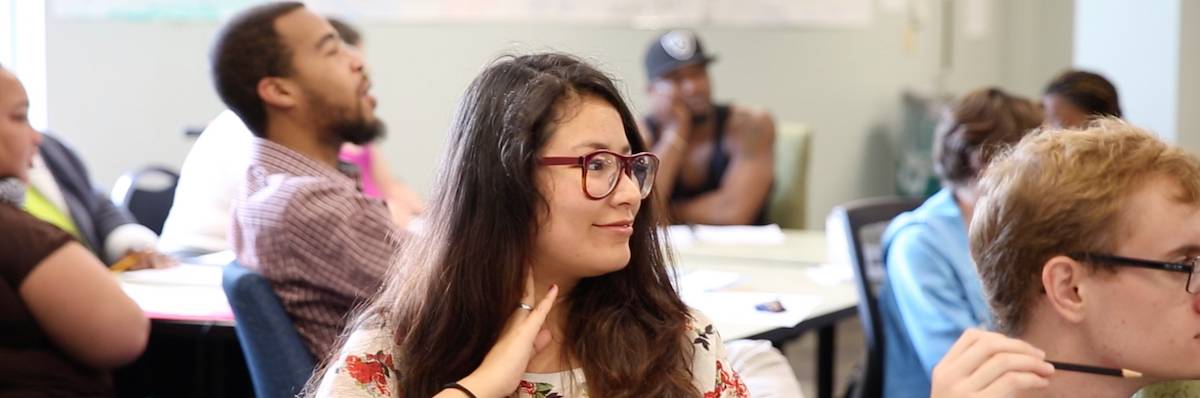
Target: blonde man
1086 242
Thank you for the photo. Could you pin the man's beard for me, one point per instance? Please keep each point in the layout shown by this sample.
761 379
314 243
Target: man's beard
702 115
348 124
357 131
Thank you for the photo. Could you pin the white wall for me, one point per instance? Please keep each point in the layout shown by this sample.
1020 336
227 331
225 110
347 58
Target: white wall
1136 45
123 92
1189 78
1037 43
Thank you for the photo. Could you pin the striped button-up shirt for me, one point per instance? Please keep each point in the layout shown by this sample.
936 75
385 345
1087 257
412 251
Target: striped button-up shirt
308 229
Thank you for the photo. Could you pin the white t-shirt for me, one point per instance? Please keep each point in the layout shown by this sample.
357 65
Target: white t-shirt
210 178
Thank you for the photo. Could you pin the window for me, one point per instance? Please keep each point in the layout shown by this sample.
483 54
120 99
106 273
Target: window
23 51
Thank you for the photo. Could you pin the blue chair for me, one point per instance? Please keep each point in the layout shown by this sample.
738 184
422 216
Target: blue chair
278 359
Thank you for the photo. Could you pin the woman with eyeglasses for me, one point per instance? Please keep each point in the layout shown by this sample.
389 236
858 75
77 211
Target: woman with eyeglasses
931 292
541 272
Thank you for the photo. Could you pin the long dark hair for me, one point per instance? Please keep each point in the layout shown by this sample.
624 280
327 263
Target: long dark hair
456 285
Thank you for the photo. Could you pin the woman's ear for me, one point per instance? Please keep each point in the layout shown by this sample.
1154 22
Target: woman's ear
1063 280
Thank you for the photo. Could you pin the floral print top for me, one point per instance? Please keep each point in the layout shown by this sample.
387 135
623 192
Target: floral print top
365 368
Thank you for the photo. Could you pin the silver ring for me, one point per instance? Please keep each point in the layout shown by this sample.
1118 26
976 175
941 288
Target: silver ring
526 307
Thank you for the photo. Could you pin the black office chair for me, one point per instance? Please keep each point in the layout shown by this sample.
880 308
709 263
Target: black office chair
147 194
864 222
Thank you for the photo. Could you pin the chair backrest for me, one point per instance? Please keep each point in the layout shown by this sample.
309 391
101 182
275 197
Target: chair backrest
790 189
863 222
147 194
279 361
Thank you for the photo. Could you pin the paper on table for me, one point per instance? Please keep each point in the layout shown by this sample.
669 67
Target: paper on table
183 274
706 280
180 301
739 234
739 307
680 235
830 274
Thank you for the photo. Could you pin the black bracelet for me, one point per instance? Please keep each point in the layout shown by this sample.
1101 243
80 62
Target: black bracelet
459 387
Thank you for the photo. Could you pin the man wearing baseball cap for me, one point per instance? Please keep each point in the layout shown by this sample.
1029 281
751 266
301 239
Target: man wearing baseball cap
717 159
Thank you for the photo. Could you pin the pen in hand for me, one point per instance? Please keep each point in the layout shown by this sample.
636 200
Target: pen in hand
1124 373
124 263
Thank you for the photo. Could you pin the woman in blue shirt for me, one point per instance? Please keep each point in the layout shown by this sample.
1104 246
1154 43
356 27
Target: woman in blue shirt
932 291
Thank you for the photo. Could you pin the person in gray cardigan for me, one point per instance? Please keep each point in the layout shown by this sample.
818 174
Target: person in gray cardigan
61 192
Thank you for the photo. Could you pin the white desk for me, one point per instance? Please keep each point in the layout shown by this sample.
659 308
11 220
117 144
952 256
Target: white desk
799 247
782 268
186 294
758 276
193 345
195 298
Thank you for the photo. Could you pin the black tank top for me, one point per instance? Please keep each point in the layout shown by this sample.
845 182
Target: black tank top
717 165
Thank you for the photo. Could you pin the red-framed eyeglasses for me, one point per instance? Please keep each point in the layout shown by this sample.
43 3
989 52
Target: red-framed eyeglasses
601 171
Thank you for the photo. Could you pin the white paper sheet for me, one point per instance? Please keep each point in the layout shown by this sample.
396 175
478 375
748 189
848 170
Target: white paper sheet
830 274
739 234
730 308
185 302
184 274
706 281
680 235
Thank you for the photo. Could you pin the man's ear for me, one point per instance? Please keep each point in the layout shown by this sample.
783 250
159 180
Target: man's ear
277 92
1063 279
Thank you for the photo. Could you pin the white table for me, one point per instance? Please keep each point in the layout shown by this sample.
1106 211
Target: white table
782 268
757 276
192 333
186 294
799 247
